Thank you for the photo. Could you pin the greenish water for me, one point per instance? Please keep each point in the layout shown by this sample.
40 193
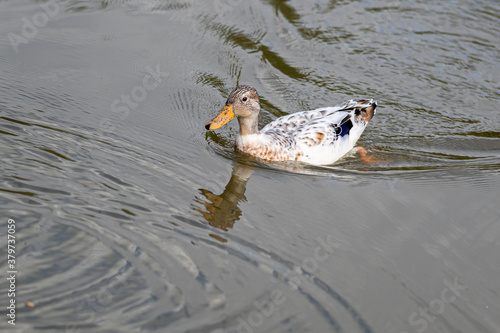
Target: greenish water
131 217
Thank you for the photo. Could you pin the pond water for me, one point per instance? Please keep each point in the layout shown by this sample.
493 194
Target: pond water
131 217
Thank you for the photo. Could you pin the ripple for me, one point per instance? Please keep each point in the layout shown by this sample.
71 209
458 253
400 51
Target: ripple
152 223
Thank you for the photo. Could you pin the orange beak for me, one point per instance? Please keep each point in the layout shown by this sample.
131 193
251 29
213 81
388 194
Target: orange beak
222 118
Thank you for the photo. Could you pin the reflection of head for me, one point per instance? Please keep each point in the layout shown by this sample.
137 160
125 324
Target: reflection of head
222 211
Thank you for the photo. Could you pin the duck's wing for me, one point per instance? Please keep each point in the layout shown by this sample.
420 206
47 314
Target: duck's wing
299 119
326 125
324 130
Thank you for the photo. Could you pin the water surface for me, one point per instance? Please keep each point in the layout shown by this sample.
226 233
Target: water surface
131 217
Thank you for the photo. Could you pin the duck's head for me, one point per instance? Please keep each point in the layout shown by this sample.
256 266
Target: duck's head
243 103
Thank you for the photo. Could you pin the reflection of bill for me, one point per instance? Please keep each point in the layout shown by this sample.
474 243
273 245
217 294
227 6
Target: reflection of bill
222 211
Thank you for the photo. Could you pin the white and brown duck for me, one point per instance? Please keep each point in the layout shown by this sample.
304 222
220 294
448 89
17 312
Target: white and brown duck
318 137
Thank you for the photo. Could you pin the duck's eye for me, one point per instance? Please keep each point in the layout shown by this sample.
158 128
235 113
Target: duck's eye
244 99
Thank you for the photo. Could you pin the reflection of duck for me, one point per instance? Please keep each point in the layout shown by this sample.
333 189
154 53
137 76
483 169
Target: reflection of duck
321 136
222 210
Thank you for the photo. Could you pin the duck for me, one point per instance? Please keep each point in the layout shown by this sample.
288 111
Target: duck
318 137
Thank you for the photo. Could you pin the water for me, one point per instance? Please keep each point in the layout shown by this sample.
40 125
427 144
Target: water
131 217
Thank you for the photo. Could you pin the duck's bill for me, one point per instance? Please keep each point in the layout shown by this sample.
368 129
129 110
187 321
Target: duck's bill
222 118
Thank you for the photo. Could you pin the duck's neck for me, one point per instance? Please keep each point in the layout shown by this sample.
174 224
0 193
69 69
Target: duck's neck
249 125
